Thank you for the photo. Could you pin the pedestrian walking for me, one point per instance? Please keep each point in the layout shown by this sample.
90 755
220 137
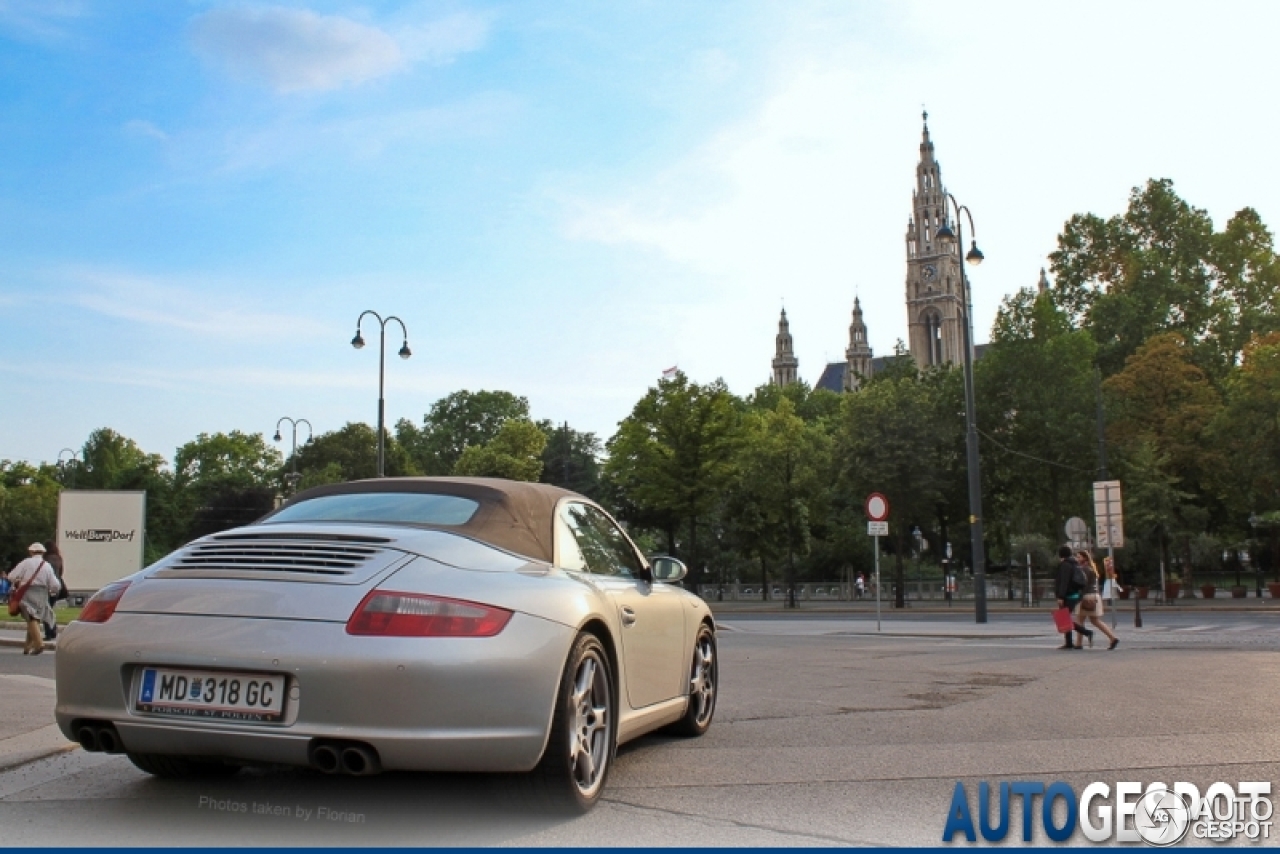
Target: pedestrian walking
1090 607
33 581
1068 587
860 586
54 557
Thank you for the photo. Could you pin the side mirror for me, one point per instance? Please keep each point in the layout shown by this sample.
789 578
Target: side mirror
668 569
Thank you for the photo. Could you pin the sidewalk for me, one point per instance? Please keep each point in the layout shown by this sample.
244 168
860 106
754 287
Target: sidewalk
13 634
27 730
994 606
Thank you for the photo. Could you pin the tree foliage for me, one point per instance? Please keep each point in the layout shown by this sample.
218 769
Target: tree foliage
514 453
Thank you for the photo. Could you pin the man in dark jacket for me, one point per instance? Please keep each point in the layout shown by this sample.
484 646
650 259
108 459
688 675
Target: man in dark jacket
1069 591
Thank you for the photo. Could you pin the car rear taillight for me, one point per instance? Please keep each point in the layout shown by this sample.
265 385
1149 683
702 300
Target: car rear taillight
102 604
391 614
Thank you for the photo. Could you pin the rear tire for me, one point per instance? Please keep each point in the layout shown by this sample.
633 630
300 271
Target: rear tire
575 766
704 685
180 767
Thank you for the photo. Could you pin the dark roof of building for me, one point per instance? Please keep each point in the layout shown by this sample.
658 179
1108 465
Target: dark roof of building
832 378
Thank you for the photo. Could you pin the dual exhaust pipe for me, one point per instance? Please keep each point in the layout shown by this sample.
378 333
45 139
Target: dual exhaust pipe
330 757
344 757
99 738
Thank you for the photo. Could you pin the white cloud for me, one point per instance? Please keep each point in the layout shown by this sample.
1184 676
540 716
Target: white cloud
141 127
365 136
210 311
42 20
441 42
295 50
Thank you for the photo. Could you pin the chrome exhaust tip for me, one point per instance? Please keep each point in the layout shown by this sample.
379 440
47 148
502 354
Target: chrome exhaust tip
359 760
109 740
325 758
88 738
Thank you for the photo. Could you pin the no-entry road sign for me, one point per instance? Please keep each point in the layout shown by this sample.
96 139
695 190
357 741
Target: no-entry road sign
877 507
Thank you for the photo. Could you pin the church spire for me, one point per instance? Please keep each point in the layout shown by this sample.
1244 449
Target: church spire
785 364
1042 286
858 356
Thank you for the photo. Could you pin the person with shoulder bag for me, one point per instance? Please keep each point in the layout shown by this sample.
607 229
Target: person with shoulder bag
33 581
1090 607
1068 587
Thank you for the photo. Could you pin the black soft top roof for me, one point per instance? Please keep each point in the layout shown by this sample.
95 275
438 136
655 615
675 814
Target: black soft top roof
513 515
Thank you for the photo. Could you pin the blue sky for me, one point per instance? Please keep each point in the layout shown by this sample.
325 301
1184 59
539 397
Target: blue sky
198 199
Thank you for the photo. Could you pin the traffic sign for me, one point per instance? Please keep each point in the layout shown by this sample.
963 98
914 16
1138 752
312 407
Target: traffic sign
877 529
1108 510
877 507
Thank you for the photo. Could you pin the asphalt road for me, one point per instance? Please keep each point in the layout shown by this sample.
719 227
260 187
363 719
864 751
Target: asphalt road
826 734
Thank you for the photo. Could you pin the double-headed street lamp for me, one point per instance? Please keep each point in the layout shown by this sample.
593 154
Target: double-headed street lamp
949 239
75 460
293 477
404 353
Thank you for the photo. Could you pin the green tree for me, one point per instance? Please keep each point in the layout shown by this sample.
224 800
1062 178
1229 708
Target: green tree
1161 267
350 453
112 461
28 508
1138 274
223 480
894 438
778 488
670 460
456 422
1036 404
571 459
514 453
1164 398
1247 433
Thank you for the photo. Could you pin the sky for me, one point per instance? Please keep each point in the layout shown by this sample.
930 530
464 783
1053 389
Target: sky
561 200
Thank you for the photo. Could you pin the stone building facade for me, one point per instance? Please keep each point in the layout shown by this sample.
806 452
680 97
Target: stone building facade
935 293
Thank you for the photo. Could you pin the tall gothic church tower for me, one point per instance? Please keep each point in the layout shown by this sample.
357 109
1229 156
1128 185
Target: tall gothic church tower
935 291
858 355
785 364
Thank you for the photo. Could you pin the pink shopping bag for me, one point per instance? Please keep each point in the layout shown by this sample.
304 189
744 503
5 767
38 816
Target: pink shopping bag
1062 619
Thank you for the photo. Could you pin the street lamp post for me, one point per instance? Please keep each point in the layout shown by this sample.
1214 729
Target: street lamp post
948 239
358 342
293 477
74 464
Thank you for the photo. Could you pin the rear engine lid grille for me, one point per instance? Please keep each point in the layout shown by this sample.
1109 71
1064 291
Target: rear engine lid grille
281 556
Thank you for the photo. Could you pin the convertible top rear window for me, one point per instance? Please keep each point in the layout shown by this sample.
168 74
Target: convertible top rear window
407 508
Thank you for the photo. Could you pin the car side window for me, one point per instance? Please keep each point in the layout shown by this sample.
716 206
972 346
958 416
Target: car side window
570 555
604 549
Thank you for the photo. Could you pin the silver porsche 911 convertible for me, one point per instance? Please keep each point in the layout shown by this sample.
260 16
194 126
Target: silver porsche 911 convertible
430 624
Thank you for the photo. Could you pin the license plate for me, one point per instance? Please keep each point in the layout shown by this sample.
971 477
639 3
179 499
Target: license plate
212 695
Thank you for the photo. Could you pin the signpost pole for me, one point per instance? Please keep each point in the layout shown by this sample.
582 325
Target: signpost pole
1111 558
876 546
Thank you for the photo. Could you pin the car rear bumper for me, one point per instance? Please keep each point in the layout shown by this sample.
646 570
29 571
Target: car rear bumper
426 704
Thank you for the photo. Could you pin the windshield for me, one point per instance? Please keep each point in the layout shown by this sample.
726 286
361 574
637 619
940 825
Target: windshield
411 508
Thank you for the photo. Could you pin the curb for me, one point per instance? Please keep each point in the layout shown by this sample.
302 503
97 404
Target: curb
32 746
49 646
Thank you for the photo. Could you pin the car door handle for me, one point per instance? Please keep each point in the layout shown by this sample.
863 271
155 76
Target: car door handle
628 616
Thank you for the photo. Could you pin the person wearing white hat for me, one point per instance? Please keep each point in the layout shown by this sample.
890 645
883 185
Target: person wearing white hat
34 581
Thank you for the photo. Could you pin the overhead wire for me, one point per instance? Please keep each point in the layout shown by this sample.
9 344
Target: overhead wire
1009 450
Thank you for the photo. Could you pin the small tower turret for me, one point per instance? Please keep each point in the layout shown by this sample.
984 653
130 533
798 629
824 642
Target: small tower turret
858 356
785 364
